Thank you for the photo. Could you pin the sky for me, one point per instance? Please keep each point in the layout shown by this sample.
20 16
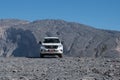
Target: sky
103 14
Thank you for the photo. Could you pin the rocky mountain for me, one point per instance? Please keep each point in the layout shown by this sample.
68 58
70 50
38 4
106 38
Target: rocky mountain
20 38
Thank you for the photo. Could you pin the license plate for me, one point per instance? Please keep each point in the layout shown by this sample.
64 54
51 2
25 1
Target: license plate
51 50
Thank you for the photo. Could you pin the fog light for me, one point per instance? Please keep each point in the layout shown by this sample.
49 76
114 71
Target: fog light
41 50
61 50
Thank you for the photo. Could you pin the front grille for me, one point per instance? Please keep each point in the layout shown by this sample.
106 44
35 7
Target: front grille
51 47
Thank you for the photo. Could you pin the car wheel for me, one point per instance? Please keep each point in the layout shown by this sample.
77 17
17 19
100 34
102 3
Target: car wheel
60 55
42 56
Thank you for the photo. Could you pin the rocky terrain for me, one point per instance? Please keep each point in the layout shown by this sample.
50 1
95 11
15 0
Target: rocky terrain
67 68
89 53
19 38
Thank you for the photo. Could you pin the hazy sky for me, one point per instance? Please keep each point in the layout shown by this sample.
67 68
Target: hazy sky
103 14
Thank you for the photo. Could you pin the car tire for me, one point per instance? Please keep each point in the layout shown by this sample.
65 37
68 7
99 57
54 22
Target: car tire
42 56
60 55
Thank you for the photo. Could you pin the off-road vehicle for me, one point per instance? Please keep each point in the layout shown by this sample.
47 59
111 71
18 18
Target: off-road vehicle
51 46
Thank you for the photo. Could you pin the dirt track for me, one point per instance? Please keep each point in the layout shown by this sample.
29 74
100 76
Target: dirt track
67 68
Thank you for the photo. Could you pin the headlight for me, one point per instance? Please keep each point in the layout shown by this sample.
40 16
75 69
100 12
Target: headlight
42 47
59 45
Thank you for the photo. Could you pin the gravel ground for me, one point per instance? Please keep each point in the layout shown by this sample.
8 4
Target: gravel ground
67 68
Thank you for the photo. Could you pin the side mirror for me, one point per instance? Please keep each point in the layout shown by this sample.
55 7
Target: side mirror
62 42
40 42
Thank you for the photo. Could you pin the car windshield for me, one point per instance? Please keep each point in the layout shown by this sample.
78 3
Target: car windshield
51 41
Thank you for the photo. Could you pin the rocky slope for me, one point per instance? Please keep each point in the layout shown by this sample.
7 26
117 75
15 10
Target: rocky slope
20 38
67 68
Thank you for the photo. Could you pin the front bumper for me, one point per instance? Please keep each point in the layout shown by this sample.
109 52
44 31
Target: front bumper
51 51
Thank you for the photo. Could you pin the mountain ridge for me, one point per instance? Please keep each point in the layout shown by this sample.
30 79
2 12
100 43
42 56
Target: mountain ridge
20 38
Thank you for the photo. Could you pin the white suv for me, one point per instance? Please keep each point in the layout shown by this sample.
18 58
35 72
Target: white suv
51 46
